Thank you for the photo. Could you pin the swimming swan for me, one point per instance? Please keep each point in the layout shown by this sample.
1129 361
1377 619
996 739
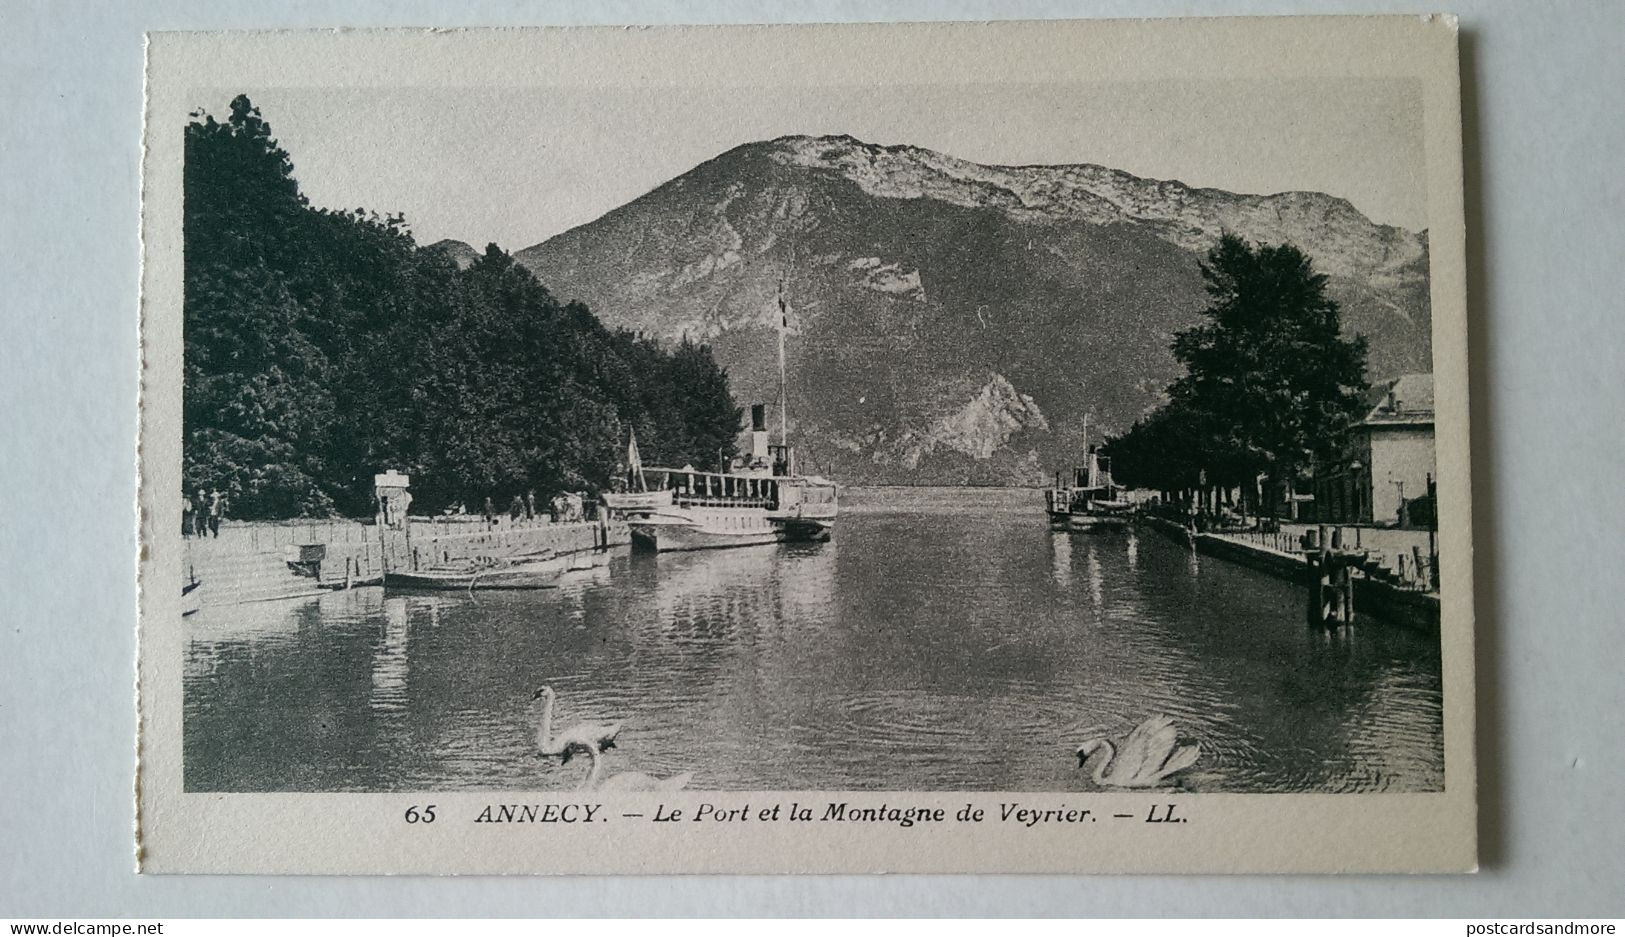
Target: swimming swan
1148 758
594 737
630 780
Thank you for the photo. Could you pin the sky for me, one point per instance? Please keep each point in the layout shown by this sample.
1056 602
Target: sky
517 166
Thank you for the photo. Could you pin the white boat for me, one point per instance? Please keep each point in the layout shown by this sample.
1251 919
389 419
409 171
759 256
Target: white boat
630 502
514 573
1092 502
710 510
758 499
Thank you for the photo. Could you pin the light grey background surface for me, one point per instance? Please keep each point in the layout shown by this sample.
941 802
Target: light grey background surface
1544 106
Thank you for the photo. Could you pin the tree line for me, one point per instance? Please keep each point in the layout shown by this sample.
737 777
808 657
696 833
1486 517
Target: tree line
1270 385
322 346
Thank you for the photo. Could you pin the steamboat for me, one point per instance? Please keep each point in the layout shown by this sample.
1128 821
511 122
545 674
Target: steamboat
1092 502
759 499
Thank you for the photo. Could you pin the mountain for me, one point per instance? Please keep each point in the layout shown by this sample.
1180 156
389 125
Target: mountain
951 322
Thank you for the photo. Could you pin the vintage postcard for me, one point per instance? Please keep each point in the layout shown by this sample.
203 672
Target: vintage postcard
995 447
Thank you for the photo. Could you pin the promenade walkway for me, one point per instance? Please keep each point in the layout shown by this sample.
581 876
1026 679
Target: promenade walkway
1406 593
1406 554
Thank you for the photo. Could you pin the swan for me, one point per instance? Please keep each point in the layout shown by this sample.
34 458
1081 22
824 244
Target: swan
630 780
1148 758
578 738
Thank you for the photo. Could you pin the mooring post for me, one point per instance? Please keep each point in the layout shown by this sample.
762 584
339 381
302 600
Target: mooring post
1312 589
1326 585
1347 582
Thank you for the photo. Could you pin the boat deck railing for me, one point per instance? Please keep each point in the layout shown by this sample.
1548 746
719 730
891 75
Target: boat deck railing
723 501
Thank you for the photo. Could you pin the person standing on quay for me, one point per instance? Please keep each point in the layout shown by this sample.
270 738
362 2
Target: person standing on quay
217 510
530 505
200 514
490 512
516 507
186 515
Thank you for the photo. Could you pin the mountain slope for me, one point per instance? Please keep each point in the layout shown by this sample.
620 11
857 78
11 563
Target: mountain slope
952 322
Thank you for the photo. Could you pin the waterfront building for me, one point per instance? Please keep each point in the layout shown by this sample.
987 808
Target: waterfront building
1385 475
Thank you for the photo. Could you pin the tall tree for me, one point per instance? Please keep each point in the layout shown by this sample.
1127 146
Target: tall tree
322 346
256 404
1270 383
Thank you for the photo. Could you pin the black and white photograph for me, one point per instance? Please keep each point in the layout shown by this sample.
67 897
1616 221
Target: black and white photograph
1138 462
1068 437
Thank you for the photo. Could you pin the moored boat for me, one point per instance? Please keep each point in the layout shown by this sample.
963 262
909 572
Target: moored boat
632 502
759 500
535 573
1093 502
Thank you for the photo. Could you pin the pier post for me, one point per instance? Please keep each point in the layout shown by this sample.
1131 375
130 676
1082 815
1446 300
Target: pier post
1346 583
1329 571
1313 612
390 489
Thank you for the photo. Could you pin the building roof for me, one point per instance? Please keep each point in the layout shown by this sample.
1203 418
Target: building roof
1403 400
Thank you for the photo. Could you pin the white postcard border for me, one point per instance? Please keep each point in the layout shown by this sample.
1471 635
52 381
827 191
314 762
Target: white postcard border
366 833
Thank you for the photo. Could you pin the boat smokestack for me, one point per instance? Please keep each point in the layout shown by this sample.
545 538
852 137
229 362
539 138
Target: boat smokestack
758 432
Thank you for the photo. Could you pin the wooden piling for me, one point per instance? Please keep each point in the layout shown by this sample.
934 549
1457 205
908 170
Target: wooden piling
1314 611
1330 578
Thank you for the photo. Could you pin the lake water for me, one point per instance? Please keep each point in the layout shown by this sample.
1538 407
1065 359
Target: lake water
946 639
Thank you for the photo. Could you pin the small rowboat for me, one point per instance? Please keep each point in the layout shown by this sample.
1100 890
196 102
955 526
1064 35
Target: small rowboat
524 574
636 502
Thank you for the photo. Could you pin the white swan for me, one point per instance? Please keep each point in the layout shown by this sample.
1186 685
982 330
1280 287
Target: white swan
630 780
1148 758
593 737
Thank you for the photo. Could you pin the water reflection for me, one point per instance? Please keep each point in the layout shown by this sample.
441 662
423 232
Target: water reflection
1097 585
389 664
1060 544
954 642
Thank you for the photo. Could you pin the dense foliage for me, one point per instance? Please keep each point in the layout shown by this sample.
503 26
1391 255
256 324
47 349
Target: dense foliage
1270 383
324 346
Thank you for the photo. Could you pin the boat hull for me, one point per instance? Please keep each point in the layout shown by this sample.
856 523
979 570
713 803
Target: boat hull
542 574
1096 523
719 530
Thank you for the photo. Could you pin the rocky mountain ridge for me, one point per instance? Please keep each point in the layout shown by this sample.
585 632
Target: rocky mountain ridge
952 322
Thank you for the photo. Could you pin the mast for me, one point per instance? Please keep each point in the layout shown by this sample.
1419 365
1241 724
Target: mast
1088 456
784 412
